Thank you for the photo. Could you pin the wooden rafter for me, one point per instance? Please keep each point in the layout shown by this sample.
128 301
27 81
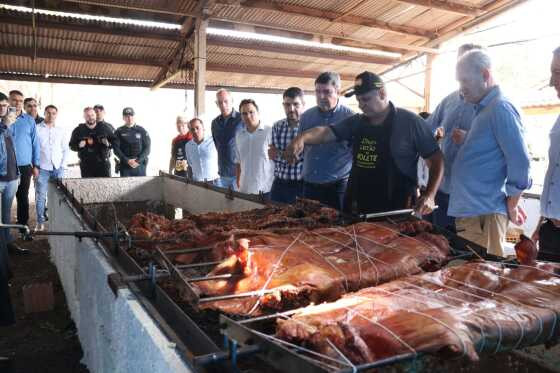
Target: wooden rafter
464 23
448 6
386 45
300 51
258 70
54 55
213 67
129 31
331 16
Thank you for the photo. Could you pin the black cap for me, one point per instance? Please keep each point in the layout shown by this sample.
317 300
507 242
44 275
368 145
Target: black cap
128 111
365 82
99 106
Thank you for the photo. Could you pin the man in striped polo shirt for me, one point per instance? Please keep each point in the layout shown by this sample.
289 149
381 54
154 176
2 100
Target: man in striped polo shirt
288 184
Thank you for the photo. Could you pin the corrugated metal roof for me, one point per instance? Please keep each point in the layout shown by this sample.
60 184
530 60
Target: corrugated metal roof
144 50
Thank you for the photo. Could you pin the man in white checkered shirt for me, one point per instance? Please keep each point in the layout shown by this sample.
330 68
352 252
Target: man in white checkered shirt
288 183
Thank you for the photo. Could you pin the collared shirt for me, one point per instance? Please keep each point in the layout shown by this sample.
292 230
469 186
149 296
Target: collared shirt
550 197
493 162
24 133
54 147
326 163
203 159
223 133
251 152
452 112
282 136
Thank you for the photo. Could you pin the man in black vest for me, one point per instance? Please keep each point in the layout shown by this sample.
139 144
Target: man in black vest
387 142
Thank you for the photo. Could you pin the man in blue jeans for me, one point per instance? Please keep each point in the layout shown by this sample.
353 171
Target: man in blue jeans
54 153
9 174
224 128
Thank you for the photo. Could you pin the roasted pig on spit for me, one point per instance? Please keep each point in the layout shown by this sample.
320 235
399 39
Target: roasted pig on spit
293 270
206 229
466 310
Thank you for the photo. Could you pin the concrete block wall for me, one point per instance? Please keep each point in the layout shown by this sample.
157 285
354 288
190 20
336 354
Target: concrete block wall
116 333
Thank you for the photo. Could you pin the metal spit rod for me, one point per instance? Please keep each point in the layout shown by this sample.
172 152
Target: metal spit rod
165 274
188 251
390 213
196 265
248 294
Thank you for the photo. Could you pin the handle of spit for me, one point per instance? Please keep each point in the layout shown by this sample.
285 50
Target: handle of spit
25 228
392 213
28 235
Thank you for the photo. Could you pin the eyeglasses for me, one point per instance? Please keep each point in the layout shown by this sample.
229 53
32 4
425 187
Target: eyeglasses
31 105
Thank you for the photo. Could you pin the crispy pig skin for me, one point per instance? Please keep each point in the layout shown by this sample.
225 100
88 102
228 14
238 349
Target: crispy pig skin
316 266
458 311
209 228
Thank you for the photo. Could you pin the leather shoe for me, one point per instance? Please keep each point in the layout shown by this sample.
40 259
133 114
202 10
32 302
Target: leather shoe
15 249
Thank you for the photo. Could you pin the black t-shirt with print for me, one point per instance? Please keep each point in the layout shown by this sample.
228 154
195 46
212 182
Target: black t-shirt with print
375 183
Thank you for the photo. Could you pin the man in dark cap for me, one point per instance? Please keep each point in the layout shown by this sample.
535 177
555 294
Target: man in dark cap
100 116
132 146
386 143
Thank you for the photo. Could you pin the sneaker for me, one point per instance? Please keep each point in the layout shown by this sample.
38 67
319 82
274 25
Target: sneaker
39 228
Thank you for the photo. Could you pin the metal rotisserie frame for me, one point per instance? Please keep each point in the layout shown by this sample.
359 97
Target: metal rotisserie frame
241 336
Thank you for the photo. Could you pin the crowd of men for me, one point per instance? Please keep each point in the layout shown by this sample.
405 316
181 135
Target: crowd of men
473 150
472 147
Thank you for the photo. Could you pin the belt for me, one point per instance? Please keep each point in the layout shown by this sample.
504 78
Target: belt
325 185
288 182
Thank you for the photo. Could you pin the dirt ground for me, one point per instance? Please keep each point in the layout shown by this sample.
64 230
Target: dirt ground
40 342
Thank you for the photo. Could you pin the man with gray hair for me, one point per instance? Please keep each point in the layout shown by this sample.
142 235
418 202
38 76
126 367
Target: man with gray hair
326 167
491 169
548 228
453 117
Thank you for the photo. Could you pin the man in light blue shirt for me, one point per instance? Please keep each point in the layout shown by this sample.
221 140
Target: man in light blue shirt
24 134
491 169
326 167
201 154
454 116
548 228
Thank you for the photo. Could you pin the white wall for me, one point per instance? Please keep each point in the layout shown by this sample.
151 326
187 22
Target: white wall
155 110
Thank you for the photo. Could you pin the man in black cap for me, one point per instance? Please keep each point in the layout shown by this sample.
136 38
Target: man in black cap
100 116
92 141
386 144
132 146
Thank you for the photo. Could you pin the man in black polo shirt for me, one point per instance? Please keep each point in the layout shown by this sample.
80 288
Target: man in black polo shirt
386 143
